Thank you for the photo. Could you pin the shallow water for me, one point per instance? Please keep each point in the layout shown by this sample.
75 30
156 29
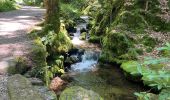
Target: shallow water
107 81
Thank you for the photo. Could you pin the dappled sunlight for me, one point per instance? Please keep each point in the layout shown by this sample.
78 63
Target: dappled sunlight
13 28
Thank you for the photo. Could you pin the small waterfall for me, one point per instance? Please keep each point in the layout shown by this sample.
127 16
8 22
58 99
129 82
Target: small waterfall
76 40
89 61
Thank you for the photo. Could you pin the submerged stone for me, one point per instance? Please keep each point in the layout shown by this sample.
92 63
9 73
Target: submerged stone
79 93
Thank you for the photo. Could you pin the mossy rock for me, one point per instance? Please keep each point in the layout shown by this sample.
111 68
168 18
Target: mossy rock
19 88
116 42
134 70
79 93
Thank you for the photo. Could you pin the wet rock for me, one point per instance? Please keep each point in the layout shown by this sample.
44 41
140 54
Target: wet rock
71 60
56 84
71 29
81 51
83 30
73 51
71 34
79 93
20 88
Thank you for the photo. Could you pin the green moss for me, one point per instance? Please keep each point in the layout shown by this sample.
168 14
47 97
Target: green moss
117 42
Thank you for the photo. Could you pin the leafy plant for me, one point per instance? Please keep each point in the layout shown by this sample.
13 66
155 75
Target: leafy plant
145 96
166 47
6 5
54 69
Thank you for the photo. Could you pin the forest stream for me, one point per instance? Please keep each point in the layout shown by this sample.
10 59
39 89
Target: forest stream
109 82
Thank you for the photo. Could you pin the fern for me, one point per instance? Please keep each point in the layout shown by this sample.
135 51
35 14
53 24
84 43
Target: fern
166 47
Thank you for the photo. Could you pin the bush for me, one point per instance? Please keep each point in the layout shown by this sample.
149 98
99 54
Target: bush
33 2
20 66
38 56
6 5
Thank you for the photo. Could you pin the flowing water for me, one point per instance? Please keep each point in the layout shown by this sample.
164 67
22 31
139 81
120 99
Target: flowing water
107 81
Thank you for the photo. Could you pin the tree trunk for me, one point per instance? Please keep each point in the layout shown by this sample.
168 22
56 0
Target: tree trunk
52 15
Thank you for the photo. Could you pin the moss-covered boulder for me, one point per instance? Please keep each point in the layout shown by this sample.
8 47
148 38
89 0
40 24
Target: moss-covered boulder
79 93
132 70
19 88
117 47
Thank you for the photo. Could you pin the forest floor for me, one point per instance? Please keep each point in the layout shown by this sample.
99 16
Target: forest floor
14 40
13 28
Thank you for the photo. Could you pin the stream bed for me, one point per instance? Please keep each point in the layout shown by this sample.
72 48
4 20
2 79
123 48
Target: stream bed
106 80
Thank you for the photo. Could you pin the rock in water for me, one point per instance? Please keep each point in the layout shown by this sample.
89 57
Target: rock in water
79 93
20 88
46 93
56 84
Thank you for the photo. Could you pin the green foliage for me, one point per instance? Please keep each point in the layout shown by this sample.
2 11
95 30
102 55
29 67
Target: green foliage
146 96
153 71
71 10
164 95
6 5
56 68
38 55
149 41
57 43
160 79
165 50
95 39
33 2
167 47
